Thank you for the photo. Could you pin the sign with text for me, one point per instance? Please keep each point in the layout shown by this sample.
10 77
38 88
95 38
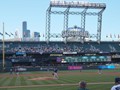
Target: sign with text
74 67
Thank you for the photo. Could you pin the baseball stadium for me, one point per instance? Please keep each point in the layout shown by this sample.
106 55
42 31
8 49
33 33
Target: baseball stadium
80 56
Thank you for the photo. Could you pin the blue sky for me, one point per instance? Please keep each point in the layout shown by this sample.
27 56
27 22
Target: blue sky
14 12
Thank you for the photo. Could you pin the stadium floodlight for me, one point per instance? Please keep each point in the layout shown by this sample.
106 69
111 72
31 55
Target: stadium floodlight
78 4
68 5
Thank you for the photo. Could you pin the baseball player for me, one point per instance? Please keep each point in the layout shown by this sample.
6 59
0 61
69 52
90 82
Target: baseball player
117 84
82 85
55 73
99 70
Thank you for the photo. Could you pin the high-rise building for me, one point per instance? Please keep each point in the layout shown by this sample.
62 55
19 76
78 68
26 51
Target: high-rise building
24 25
26 32
36 36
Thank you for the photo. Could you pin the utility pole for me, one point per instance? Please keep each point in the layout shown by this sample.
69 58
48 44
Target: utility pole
3 48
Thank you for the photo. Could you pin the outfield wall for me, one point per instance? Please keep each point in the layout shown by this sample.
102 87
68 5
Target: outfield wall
51 68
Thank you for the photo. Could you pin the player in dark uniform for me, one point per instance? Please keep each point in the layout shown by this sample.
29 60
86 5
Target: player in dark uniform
82 85
99 70
55 73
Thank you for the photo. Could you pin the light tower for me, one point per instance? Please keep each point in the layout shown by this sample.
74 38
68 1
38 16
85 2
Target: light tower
74 4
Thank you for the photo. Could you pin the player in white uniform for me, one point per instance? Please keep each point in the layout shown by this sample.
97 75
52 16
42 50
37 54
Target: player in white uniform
117 84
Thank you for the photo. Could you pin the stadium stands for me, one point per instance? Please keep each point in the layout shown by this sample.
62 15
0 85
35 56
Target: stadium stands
72 53
59 47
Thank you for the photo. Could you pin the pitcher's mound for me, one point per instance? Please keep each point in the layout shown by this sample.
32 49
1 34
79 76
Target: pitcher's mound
42 78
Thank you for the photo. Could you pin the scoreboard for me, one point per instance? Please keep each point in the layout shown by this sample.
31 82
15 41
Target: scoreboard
68 59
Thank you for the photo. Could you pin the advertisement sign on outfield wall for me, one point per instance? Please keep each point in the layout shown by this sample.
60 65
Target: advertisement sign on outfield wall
74 67
107 66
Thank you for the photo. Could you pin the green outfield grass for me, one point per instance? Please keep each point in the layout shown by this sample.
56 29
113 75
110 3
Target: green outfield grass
68 80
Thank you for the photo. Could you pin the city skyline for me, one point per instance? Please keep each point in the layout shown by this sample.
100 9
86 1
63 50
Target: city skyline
25 31
14 12
27 35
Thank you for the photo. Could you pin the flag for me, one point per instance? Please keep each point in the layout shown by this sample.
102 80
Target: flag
7 34
118 36
16 33
114 36
1 34
106 36
110 35
12 34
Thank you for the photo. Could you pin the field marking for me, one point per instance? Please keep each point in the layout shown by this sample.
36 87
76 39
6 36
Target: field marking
27 86
42 78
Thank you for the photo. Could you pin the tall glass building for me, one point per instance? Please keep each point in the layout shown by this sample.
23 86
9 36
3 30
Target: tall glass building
36 36
26 33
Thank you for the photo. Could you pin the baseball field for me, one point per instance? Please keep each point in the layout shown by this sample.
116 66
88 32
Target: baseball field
68 80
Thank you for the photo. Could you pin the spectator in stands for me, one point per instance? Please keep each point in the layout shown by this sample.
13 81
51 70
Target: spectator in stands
117 84
82 85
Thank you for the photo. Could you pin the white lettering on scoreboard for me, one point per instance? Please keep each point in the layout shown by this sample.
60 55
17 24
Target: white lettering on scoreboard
68 33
